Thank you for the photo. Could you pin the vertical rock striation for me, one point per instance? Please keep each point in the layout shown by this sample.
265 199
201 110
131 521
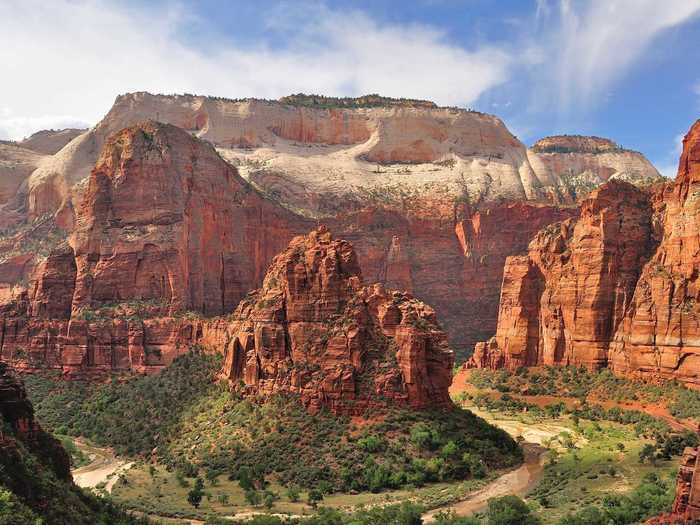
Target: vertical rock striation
314 330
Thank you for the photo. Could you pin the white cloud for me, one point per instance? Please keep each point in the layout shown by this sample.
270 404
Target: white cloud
70 57
20 127
592 45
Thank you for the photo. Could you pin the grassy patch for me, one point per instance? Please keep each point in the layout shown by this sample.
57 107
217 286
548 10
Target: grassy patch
581 383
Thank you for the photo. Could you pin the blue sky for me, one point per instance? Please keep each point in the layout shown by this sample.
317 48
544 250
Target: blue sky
624 69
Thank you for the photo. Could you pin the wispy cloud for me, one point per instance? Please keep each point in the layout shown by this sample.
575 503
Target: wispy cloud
73 57
591 45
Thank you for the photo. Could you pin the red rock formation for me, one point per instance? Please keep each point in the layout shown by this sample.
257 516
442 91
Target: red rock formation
562 303
449 255
315 331
686 504
660 335
165 218
619 287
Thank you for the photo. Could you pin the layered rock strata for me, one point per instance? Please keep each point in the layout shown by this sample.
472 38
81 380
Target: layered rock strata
617 287
314 330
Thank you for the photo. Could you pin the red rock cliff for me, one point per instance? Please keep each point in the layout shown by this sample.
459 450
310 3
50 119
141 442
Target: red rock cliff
618 287
660 335
562 303
165 226
165 218
315 331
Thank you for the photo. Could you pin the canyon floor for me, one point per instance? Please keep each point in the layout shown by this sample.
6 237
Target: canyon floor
569 463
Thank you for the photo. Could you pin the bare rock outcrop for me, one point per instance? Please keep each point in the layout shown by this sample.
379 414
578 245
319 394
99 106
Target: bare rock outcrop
165 218
50 141
619 287
580 164
562 303
323 158
314 330
660 335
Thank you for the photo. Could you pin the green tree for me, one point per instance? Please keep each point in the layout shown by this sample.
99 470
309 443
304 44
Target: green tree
510 510
587 516
245 478
648 453
314 497
194 496
252 496
293 492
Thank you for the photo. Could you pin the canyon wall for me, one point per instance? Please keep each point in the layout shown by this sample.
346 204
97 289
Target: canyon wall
618 287
433 199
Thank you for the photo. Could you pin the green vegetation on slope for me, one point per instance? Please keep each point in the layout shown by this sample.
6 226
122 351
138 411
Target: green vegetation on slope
573 382
35 483
133 416
195 424
606 464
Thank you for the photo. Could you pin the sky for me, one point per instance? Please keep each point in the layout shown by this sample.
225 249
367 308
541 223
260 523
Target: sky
622 69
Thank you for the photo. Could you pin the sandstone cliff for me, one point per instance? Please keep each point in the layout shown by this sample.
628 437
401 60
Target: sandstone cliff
580 164
618 287
50 141
326 159
313 329
165 227
433 199
562 303
686 504
660 334
165 218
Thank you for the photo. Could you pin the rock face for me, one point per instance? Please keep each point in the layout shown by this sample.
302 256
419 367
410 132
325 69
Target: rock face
450 256
49 141
660 335
16 165
433 199
314 330
562 303
323 158
686 504
581 164
164 218
687 501
618 287
165 226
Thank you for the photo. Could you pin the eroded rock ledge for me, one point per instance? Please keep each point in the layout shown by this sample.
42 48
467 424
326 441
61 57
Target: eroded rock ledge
618 287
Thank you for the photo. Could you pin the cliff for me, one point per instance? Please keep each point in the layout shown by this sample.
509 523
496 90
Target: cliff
314 330
433 199
562 302
618 287
336 155
660 334
165 227
165 218
581 164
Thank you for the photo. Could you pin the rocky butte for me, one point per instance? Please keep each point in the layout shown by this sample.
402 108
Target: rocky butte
314 330
433 199
616 287
165 227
